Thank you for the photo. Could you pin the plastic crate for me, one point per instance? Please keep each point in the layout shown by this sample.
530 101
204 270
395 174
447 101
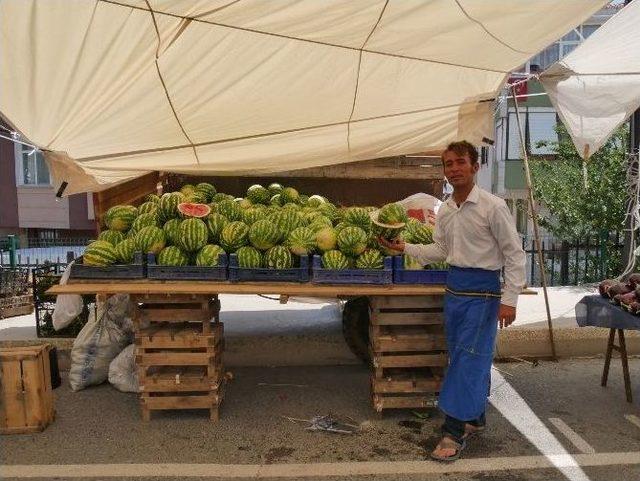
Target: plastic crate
321 275
117 271
295 274
188 273
414 276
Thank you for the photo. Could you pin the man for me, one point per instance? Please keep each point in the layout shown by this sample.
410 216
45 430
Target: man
476 236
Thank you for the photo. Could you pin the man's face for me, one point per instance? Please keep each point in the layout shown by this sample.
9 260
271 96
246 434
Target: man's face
458 169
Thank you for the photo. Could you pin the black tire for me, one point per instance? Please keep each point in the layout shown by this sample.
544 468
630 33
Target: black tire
355 327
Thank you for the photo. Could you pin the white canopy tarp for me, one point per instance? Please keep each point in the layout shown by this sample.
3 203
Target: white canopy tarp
597 86
114 89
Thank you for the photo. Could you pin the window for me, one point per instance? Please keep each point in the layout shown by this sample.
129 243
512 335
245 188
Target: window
539 124
31 168
562 47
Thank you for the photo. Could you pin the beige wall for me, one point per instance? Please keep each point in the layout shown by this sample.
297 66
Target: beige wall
38 208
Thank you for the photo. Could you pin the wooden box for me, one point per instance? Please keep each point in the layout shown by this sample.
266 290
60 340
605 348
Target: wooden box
26 397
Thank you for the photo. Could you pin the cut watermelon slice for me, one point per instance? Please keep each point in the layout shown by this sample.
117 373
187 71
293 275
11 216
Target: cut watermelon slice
189 209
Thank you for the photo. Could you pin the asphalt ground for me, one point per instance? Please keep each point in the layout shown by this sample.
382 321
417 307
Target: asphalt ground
555 414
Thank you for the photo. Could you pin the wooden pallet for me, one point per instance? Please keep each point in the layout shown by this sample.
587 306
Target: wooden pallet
408 351
179 345
16 306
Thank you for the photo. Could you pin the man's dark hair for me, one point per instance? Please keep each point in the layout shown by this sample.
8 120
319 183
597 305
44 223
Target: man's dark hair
462 147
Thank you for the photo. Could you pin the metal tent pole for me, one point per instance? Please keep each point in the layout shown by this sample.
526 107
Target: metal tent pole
535 223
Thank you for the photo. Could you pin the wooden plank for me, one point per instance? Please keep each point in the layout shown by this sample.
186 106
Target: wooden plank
175 358
177 336
386 386
205 401
406 318
15 415
129 192
407 302
381 402
176 288
397 343
181 379
33 392
416 360
173 297
175 315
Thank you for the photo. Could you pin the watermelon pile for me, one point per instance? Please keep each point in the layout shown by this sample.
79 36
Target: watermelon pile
270 227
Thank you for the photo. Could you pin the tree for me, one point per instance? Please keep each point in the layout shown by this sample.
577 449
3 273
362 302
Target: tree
574 211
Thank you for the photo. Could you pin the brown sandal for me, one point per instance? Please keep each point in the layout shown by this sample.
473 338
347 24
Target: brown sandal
448 442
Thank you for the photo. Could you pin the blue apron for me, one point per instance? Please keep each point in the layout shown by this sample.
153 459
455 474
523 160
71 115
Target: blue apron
471 320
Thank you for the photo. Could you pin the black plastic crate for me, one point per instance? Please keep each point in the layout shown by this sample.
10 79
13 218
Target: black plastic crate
416 276
295 274
137 270
320 275
188 273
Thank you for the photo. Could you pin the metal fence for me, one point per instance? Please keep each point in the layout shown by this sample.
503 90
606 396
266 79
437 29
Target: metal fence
573 262
38 252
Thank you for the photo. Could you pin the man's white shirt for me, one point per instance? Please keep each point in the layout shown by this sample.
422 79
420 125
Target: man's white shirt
481 234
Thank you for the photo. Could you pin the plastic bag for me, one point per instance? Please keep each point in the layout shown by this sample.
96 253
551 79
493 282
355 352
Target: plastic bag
422 207
123 373
68 306
106 333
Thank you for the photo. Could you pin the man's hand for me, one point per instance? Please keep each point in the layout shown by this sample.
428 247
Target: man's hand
395 244
506 315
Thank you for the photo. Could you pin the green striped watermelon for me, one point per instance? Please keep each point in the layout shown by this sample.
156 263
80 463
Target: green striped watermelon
207 189
171 230
329 210
358 217
411 263
125 251
172 256
169 205
188 189
278 257
264 234
193 235
220 196
155 198
249 216
276 201
120 217
230 209
148 208
352 241
301 241
274 189
215 223
112 236
249 257
335 260
326 239
418 233
100 253
257 194
370 259
392 214
286 221
209 255
150 239
316 200
234 235
145 220
289 194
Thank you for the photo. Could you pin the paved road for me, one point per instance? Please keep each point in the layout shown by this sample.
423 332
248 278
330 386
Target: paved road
553 421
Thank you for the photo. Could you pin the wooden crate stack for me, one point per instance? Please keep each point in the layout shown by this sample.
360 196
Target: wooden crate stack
179 344
26 396
408 351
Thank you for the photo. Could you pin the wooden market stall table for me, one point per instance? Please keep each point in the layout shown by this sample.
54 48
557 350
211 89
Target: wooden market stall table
596 311
406 337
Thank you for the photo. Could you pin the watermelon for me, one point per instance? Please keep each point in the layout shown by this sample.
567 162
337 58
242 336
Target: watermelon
249 216
207 189
196 197
303 200
193 235
169 205
188 189
150 239
276 200
120 217
171 230
100 253
172 256
418 233
244 203
320 222
301 241
329 210
278 257
148 208
155 198
291 206
286 221
125 251
358 217
334 259
274 189
316 200
326 239
112 236
289 194
264 234
370 259
230 209
392 214
234 235
257 194
215 224
411 263
188 209
219 197
249 257
144 220
352 241
209 255
340 226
